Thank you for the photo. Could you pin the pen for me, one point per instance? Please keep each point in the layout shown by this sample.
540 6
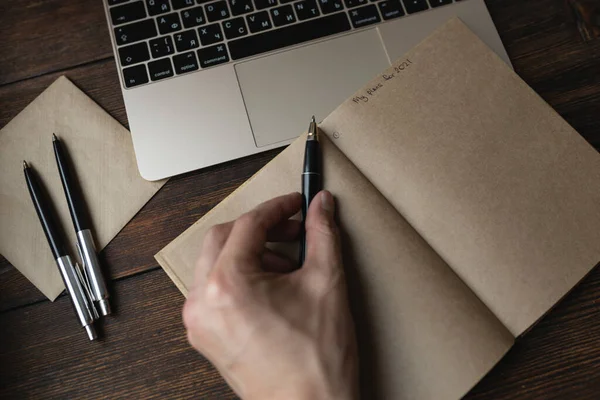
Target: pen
70 273
311 177
85 241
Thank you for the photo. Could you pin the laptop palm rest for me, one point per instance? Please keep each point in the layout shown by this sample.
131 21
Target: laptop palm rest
282 91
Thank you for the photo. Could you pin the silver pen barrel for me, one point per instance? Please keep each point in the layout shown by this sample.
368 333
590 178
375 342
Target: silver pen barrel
75 287
92 270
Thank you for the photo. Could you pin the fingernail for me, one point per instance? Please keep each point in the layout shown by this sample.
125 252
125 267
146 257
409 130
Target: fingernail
327 202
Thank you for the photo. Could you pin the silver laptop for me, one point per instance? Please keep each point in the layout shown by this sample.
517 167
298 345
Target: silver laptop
207 81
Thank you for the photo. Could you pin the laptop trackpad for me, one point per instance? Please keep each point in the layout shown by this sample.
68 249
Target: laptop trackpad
282 91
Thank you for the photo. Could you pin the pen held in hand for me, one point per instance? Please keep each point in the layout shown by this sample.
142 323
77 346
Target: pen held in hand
311 178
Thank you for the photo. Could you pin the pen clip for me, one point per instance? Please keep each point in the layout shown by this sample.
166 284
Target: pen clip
85 280
85 268
86 290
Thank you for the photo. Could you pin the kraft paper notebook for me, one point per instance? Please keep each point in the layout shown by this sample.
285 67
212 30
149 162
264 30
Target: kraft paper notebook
102 155
468 209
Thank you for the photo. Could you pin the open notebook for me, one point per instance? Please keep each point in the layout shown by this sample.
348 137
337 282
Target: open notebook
468 209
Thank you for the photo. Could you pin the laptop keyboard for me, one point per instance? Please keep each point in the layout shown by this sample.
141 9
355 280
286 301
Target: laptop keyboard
158 39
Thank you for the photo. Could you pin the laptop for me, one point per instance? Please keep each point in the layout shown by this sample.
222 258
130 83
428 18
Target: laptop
207 81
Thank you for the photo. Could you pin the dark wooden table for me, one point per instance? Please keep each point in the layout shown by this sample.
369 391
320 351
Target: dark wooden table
44 354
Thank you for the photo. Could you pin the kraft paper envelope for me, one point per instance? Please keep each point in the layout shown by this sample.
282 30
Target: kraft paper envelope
467 206
102 154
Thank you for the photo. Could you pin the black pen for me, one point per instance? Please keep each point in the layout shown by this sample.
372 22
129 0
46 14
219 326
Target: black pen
70 273
85 241
311 177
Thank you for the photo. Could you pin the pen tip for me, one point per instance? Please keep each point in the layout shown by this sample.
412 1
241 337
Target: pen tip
312 129
54 137
25 164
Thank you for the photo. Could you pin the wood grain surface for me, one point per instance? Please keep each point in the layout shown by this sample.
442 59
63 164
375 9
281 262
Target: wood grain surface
144 354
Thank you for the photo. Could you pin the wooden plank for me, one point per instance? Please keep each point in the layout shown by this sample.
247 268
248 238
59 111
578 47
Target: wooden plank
546 50
16 289
98 80
144 353
43 36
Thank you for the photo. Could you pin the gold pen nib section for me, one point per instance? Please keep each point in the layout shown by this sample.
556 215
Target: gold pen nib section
312 130
25 166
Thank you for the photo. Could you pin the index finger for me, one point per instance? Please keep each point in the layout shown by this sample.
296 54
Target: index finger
249 234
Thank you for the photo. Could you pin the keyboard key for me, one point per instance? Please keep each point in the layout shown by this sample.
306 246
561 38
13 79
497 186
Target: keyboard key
391 9
235 28
193 17
113 2
239 7
364 16
178 4
185 62
210 34
156 7
186 40
306 9
354 3
160 69
283 15
329 6
294 34
211 56
285 1
134 76
163 46
203 1
259 21
437 3
262 4
168 23
127 13
134 54
134 32
217 11
413 6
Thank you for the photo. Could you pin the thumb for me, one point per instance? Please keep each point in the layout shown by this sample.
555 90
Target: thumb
322 236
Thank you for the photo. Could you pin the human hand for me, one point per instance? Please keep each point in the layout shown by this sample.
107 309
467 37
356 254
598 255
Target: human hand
274 331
